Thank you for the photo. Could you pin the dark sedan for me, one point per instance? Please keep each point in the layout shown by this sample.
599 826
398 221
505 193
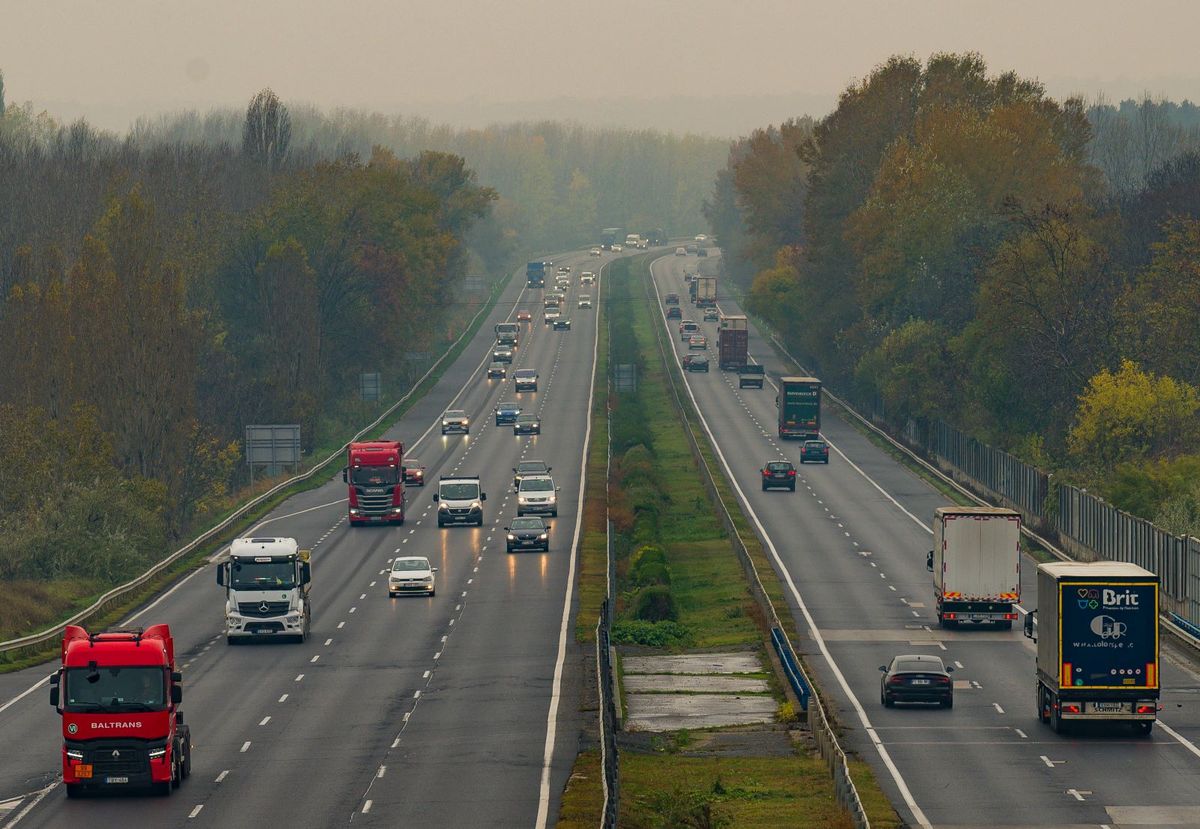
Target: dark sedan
561 324
778 475
530 533
674 313
507 413
695 362
916 678
816 451
527 424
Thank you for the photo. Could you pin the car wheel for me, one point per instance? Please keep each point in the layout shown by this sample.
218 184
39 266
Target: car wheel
467 430
391 595
764 487
948 702
508 550
554 514
432 592
888 702
792 488
440 524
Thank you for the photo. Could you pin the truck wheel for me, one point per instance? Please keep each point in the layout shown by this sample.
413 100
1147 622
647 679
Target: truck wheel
73 791
1143 729
162 789
1056 723
1041 705
185 768
1005 625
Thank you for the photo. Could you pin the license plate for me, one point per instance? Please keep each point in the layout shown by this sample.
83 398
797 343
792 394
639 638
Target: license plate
116 780
83 770
979 617
920 682
1109 707
376 517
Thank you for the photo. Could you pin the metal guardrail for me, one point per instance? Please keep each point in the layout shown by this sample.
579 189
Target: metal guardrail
609 758
818 721
791 668
35 640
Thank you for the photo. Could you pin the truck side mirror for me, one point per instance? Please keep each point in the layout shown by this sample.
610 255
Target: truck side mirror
345 475
483 496
1029 634
221 574
305 572
54 679
929 561
176 694
435 497
176 676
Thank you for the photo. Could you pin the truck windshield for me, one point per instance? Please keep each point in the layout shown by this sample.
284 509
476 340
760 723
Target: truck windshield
263 575
459 492
115 689
375 475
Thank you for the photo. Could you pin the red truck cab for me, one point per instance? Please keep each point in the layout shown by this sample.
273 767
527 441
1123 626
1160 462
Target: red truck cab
118 694
376 478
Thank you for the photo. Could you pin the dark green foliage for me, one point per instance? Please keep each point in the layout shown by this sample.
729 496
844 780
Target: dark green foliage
651 634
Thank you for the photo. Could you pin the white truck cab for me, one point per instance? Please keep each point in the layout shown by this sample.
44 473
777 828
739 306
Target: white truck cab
266 583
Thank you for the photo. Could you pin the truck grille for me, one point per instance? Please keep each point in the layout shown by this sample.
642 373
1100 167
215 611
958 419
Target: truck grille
263 609
131 758
374 503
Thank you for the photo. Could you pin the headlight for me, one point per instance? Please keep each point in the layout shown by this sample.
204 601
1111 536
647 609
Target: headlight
157 753
443 507
75 755
542 537
293 620
397 510
232 621
466 422
553 497
512 537
445 422
476 505
428 579
353 511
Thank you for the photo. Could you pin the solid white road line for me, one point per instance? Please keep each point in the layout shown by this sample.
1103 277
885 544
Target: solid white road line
884 755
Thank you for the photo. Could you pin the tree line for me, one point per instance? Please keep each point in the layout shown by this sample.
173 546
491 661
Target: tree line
955 244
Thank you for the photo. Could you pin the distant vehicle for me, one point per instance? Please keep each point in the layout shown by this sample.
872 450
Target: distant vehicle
610 236
778 475
535 274
502 354
118 695
552 300
1097 644
688 277
594 252
656 237
687 328
689 248
585 300
412 574
674 313
496 371
698 342
916 678
702 251
633 241
700 237
671 299
711 315
681 251
751 376
587 278
414 472
799 403
507 333
561 324
563 269
617 249
732 341
528 468
976 565
531 533
816 451
455 420
537 494
460 500
706 291
525 379
695 362
507 413
527 424
524 316
550 315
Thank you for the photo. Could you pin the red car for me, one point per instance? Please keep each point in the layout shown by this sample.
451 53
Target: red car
524 316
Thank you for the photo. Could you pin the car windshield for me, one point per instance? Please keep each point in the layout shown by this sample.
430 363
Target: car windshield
527 524
509 407
779 467
459 492
531 466
115 689
374 475
411 564
905 666
412 463
262 575
536 485
526 418
453 413
525 373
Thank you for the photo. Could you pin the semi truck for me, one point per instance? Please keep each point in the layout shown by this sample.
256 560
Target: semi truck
976 565
1097 644
266 583
376 482
507 333
799 404
119 695
611 236
634 241
706 291
732 342
535 274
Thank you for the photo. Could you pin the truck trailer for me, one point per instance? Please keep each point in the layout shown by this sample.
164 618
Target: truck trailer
799 404
732 342
706 291
1097 644
375 479
535 275
266 583
119 695
976 565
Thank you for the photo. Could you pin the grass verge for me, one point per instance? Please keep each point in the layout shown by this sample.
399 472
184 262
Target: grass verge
583 801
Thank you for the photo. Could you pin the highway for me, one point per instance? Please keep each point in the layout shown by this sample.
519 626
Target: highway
851 542
460 709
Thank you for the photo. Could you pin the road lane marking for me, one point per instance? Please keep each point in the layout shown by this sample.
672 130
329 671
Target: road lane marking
265 720
245 747
222 776
195 811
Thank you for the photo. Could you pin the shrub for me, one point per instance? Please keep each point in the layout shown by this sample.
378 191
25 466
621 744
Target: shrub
655 604
651 634
651 573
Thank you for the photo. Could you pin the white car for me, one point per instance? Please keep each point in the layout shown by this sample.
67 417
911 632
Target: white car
700 237
587 278
681 251
412 574
550 315
617 248
537 495
585 301
594 252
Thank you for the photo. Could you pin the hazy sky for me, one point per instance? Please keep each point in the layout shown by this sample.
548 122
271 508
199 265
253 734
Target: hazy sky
113 59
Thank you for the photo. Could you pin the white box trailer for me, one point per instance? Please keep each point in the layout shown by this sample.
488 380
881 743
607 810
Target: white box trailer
976 564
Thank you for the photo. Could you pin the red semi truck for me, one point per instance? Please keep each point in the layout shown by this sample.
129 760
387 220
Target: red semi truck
118 694
376 481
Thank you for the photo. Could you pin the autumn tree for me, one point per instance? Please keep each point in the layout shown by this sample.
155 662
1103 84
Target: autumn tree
267 131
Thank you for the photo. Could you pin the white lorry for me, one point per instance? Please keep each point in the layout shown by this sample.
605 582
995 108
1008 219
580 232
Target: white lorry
266 583
976 565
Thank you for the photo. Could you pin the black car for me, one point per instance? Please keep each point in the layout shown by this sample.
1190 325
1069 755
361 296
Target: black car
507 413
695 362
414 472
530 533
527 468
497 371
527 424
671 299
816 451
674 313
916 678
502 354
778 475
561 324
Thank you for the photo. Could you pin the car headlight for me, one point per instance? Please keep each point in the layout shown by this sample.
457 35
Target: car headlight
445 422
465 422
443 506
428 579
353 510
542 537
512 537
553 498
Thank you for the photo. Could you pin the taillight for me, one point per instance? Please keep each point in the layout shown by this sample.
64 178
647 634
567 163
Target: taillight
791 473
1147 709
896 680
945 680
1071 708
1010 615
950 616
766 474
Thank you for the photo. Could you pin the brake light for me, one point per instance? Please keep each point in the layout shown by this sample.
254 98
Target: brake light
896 680
766 474
950 616
943 679
1010 616
1147 709
1071 708
791 473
